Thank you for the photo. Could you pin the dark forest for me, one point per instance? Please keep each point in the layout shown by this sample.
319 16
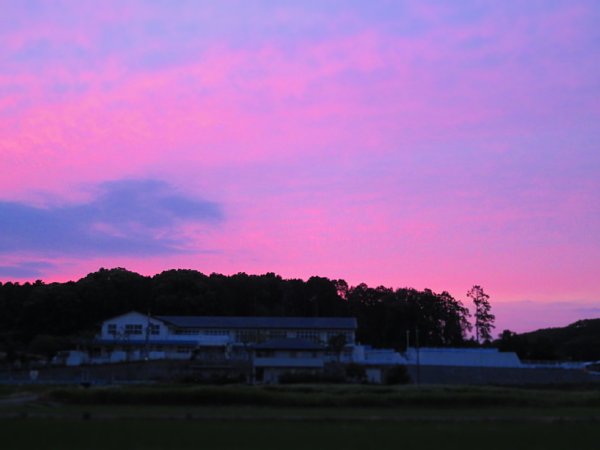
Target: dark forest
42 318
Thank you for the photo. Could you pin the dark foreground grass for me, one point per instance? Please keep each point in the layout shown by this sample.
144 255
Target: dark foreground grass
34 434
343 396
301 417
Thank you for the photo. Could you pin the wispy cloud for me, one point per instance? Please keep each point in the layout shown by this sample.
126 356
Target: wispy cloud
127 217
28 269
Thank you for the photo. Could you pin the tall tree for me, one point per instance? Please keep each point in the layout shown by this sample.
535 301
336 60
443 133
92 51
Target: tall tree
484 319
336 345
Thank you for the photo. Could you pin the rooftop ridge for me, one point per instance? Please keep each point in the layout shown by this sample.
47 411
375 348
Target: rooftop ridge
258 322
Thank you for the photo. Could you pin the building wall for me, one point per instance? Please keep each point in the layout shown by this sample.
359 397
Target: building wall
498 375
135 326
135 337
463 357
118 327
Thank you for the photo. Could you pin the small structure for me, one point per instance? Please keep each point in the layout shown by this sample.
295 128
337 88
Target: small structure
276 357
461 357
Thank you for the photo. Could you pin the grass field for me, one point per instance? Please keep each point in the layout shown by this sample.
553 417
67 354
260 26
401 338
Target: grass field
208 417
347 396
260 434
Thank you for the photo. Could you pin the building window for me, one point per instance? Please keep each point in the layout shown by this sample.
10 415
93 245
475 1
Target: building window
277 334
112 329
131 329
349 335
246 336
154 329
187 331
212 332
309 335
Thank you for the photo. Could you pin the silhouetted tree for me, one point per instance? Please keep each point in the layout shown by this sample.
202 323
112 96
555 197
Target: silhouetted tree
336 345
579 341
484 319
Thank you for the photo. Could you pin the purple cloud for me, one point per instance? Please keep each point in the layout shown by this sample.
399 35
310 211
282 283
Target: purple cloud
127 217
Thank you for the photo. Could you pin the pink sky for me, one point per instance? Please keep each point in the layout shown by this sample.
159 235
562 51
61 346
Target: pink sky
399 143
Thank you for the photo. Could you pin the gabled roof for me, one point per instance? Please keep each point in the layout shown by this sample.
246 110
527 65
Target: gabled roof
336 323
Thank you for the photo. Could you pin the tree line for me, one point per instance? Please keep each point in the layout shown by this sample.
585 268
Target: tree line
42 318
31 313
579 341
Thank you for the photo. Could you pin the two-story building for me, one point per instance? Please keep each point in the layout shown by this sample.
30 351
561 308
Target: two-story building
263 348
271 345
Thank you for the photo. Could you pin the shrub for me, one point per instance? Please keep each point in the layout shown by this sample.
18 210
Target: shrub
397 375
307 377
356 373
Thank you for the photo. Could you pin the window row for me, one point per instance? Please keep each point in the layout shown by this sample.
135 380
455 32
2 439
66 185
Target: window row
133 329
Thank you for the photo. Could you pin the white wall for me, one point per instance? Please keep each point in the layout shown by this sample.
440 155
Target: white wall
133 318
463 357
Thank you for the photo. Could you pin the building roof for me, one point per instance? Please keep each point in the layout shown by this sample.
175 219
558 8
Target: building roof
142 342
289 344
348 323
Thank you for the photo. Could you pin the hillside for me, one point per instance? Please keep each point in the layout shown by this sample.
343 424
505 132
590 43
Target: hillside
579 341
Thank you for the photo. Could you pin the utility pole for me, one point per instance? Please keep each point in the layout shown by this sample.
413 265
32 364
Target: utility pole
418 356
147 351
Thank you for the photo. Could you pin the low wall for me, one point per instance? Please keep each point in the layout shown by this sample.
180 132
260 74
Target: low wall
174 370
499 375
105 373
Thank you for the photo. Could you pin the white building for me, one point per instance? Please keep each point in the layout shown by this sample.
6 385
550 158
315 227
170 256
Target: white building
272 345
266 347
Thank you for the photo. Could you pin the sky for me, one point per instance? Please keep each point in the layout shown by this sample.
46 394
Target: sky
426 144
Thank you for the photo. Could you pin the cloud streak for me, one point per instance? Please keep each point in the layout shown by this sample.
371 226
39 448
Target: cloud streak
127 217
26 270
